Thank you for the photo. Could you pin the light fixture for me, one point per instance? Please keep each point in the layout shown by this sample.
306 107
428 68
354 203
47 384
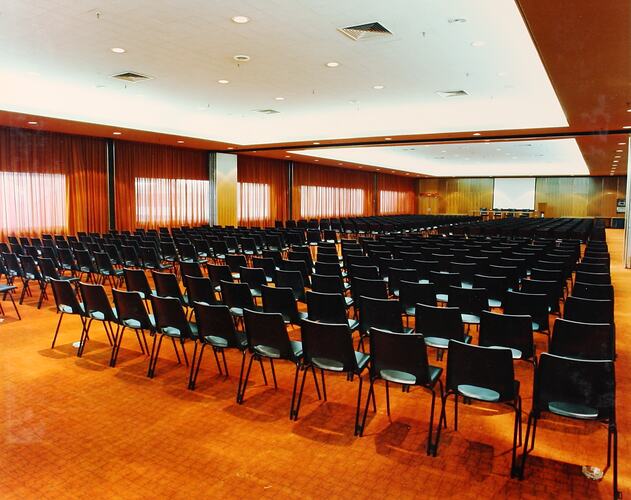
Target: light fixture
316 143
241 58
617 156
180 142
240 19
627 126
622 143
316 160
332 64
629 110
618 150
279 98
32 123
340 163
378 87
116 133
387 138
118 50
230 147
476 133
223 82
377 169
287 156
478 43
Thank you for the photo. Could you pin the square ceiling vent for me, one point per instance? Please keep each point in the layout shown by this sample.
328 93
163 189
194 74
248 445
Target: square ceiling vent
365 31
132 77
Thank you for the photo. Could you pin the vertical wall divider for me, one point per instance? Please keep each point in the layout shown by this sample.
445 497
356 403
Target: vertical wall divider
110 155
212 188
627 213
290 190
374 194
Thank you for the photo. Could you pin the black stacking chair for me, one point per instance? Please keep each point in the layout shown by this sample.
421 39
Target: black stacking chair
13 269
67 303
136 281
593 278
7 290
401 358
31 273
171 322
510 331
215 329
293 280
576 389
235 263
217 274
396 276
189 269
255 278
298 266
483 374
329 269
200 290
534 305
97 308
106 269
131 313
549 288
412 293
329 347
268 339
384 314
591 291
574 339
281 300
470 301
268 266
329 308
592 268
376 289
443 281
330 284
168 286
496 288
237 296
151 260
466 271
439 325
130 256
588 310
364 272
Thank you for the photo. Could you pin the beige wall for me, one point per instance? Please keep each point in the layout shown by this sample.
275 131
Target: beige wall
562 196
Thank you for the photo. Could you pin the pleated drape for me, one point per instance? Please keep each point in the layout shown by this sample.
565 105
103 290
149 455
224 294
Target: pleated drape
396 195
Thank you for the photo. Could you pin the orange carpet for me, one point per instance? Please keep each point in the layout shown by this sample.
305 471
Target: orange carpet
76 428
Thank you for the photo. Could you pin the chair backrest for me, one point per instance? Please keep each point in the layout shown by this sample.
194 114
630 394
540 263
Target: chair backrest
532 304
293 280
167 285
586 384
576 339
65 298
136 281
267 335
412 293
484 367
30 268
364 272
235 262
507 330
398 352
328 346
327 283
170 316
594 278
588 310
280 300
48 268
254 276
96 303
469 300
444 280
443 322
131 310
384 314
328 268
496 286
200 290
397 275
236 294
267 264
215 320
326 307
376 289
592 291
218 273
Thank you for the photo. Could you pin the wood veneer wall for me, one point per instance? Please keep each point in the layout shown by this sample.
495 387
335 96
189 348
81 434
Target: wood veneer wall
562 196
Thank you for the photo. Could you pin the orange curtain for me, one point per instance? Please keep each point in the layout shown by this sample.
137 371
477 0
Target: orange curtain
262 191
396 195
50 182
160 186
320 191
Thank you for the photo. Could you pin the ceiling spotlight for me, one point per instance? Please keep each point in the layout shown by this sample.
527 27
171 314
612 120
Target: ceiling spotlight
622 143
476 133
629 110
32 123
180 142
287 156
478 43
340 164
627 126
377 87
279 98
332 64
618 150
316 143
118 50
316 160
223 82
116 133
230 147
240 19
377 169
241 58
387 139
617 156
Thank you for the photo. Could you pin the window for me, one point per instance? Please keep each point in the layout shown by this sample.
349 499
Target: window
395 202
323 201
165 202
253 202
32 203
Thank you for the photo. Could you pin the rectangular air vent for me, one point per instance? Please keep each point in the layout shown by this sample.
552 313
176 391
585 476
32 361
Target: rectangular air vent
267 111
131 76
365 31
451 93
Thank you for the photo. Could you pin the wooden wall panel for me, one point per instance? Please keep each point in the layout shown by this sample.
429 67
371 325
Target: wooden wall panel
561 196
226 172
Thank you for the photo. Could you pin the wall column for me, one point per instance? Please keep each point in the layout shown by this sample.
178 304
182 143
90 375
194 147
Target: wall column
627 212
226 189
110 155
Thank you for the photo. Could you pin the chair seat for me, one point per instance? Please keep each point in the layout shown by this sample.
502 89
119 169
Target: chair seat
442 297
301 316
516 353
221 342
7 288
135 324
495 303
272 352
535 326
100 315
171 331
398 377
572 410
437 342
479 393
69 310
470 319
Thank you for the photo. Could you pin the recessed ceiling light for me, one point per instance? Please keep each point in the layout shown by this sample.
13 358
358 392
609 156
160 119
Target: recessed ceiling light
116 133
279 98
618 150
223 82
180 142
476 133
377 87
622 143
407 173
316 160
617 156
478 43
240 19
340 164
118 50
377 169
230 147
316 143
387 139
627 126
332 64
287 156
629 110
241 58
32 123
